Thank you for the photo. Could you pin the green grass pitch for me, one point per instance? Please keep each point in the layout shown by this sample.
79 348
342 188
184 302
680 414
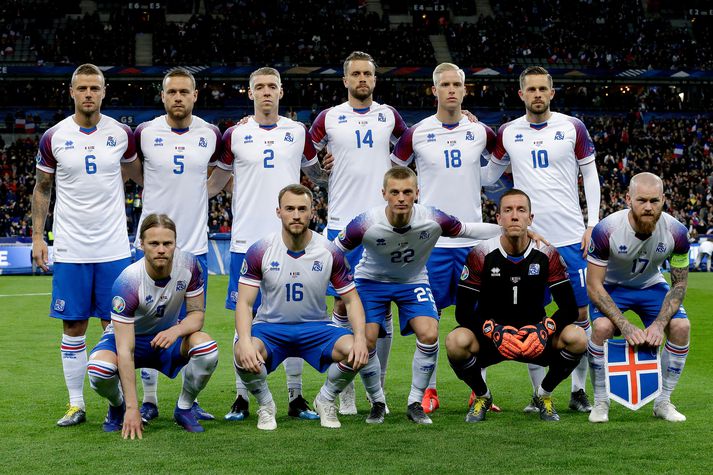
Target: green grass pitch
33 397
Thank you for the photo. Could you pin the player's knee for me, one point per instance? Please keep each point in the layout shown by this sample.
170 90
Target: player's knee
198 338
602 329
75 327
101 370
575 339
458 342
679 330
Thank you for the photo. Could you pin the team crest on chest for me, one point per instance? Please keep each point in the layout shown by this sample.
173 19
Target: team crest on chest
180 285
661 248
381 117
317 266
559 135
469 136
424 235
289 137
110 141
534 269
202 142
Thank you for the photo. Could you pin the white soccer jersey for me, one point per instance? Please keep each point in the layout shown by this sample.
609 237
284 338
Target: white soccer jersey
360 141
294 284
89 212
447 159
399 255
545 161
634 260
175 176
154 305
264 159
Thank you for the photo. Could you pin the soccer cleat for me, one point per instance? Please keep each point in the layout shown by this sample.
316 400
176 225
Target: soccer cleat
149 412
239 410
430 400
415 413
114 418
186 418
74 415
580 402
479 408
298 408
546 408
493 407
327 413
347 401
600 412
531 408
378 411
200 413
266 416
667 411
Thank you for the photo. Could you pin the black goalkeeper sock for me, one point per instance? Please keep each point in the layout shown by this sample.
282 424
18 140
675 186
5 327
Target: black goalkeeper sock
469 372
561 366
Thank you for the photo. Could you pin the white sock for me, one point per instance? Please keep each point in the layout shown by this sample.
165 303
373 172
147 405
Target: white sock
104 379
240 389
537 374
256 384
595 355
293 372
341 320
339 375
673 359
74 364
200 367
149 380
370 376
542 393
579 375
383 346
424 360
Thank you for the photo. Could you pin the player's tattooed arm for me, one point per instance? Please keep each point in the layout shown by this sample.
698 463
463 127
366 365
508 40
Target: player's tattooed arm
317 174
40 208
674 297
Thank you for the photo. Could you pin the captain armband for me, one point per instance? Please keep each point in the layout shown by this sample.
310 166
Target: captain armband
679 261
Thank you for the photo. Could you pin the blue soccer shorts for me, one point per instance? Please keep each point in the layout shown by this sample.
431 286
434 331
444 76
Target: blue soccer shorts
353 258
412 300
577 270
236 262
445 266
646 303
311 341
169 361
80 291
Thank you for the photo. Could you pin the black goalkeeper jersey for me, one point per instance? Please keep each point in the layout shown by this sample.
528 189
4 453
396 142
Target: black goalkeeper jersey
511 290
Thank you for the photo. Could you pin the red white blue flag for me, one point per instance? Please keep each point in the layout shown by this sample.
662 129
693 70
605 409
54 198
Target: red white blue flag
633 373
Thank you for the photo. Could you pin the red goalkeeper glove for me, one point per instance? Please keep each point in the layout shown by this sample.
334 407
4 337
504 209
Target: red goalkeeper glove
534 337
504 338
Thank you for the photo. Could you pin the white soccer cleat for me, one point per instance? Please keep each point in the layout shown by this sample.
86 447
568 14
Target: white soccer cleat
667 411
266 416
327 413
347 401
600 412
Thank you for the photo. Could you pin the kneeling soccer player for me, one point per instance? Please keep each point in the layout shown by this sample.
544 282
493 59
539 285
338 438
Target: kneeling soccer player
507 277
292 269
146 334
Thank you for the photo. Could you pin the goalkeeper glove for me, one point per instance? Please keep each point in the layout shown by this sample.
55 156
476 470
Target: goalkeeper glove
504 338
534 337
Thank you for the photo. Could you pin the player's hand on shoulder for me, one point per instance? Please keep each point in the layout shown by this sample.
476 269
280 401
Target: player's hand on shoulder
654 334
540 241
133 426
40 254
634 335
505 339
470 116
244 120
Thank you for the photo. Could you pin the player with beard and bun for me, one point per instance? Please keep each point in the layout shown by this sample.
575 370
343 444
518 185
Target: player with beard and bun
358 135
500 310
548 150
88 156
177 149
627 250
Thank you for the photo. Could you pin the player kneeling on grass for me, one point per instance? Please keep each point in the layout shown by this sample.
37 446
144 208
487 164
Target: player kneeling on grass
146 334
499 308
292 269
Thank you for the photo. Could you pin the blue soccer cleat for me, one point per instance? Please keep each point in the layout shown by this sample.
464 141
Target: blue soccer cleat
186 419
299 409
149 412
200 413
114 418
239 411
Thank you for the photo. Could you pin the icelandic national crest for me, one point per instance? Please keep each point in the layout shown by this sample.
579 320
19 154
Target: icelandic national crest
519 138
110 141
424 235
202 142
559 135
289 137
469 135
633 374
317 266
534 269
248 139
431 137
180 285
381 117
342 119
158 142
661 248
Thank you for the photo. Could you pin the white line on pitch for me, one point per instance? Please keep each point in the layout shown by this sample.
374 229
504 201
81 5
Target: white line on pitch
23 295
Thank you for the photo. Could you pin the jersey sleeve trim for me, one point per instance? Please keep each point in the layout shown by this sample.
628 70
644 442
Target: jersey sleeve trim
403 152
121 319
318 132
249 281
346 289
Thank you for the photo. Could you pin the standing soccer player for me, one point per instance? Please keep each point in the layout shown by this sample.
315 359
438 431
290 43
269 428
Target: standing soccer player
501 312
146 331
397 241
292 268
88 155
627 251
177 148
446 148
358 135
264 154
547 151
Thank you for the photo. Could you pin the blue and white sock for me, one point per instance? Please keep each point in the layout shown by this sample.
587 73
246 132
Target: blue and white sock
74 365
424 361
673 359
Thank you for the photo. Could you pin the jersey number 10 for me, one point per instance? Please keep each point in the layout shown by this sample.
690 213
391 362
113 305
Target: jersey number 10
539 159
